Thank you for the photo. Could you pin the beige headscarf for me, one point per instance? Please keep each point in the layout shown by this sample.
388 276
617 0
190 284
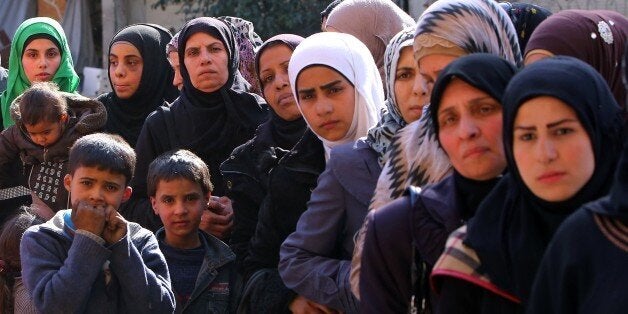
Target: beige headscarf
373 22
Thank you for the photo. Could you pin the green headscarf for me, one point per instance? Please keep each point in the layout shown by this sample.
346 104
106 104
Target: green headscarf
65 77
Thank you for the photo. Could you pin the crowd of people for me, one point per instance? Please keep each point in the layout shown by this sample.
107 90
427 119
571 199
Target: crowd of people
472 161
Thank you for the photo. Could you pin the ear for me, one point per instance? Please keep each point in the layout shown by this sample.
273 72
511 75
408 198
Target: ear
153 203
67 181
127 194
208 197
64 118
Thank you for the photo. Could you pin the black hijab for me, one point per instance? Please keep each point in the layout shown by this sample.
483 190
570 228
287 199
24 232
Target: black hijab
490 74
126 116
284 133
525 17
513 226
211 123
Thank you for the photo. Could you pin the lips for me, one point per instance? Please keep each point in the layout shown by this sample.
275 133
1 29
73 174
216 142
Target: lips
43 75
285 99
328 125
551 176
474 152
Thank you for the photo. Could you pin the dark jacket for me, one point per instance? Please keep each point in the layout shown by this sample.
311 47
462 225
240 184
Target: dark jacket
419 222
245 174
316 258
43 168
290 184
217 283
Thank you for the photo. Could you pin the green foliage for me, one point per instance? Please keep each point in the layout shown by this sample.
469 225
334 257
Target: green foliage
270 17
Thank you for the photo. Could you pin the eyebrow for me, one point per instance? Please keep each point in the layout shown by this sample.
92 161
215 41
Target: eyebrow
323 87
549 125
474 101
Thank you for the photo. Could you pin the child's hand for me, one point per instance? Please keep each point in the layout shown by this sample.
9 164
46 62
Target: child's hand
115 228
89 217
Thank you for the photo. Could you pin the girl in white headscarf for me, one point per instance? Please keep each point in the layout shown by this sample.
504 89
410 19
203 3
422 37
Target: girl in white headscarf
339 91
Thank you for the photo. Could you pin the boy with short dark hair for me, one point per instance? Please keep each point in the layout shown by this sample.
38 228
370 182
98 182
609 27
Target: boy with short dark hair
89 259
47 122
201 266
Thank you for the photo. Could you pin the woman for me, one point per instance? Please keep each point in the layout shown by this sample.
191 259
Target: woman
248 42
140 79
340 95
39 52
356 17
526 17
447 30
596 37
467 114
247 169
210 118
562 138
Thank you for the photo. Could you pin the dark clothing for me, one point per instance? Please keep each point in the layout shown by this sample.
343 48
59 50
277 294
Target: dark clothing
420 221
125 117
525 17
42 169
315 260
246 174
584 267
215 283
289 187
4 75
513 226
210 124
471 299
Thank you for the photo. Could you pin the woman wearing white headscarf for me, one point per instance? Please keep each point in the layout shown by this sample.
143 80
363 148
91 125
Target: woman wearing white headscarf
339 91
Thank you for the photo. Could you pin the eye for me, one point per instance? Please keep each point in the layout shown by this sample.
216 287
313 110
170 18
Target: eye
111 188
31 54
268 78
447 120
86 183
526 137
113 63
167 200
215 49
403 75
191 198
192 52
563 131
335 90
307 96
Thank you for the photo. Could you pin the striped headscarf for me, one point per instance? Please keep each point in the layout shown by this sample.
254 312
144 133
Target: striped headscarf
455 27
380 136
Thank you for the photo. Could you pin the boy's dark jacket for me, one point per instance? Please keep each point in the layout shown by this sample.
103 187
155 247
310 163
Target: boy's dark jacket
218 285
43 169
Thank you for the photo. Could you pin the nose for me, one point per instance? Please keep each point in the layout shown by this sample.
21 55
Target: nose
205 56
177 80
419 87
40 140
42 63
96 195
545 150
468 128
281 81
119 71
179 208
323 107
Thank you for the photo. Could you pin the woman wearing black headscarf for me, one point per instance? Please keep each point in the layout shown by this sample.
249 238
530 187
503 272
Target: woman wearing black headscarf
562 138
140 79
246 171
422 220
210 118
584 267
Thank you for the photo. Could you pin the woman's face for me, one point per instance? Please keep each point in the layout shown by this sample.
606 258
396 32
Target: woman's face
273 72
125 69
430 67
470 131
409 94
41 60
327 101
552 149
206 60
177 80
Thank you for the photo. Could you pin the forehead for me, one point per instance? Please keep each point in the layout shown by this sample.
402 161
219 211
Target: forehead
98 174
124 48
201 39
435 62
544 109
40 126
317 75
177 185
458 94
40 44
277 53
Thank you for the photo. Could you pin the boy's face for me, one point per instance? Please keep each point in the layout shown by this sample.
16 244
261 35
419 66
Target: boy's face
45 133
180 204
97 187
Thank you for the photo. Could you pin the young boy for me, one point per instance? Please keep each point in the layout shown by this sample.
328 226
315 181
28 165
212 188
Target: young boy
201 266
88 259
47 122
